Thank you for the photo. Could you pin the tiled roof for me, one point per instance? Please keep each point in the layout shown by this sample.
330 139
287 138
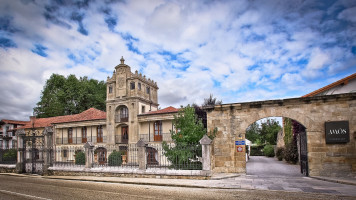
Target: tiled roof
169 109
8 121
90 114
339 82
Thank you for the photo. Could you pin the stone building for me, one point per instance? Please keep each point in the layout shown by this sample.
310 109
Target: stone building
132 114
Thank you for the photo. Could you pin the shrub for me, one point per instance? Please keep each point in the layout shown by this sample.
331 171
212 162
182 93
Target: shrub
291 152
80 158
268 150
10 155
279 153
256 151
115 158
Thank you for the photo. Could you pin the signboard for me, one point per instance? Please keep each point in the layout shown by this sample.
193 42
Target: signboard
240 142
337 132
240 148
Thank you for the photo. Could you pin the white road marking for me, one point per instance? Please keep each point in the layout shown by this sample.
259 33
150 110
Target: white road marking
20 194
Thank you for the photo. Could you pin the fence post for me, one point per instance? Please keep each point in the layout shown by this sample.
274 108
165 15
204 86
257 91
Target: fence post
141 154
89 154
48 133
20 151
206 152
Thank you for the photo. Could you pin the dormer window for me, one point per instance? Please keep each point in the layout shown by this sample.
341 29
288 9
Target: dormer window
110 89
132 85
148 90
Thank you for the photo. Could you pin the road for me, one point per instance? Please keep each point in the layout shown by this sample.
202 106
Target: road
14 187
262 166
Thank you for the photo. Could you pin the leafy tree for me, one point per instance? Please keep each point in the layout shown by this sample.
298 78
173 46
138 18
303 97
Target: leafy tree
188 131
253 132
65 96
269 131
211 101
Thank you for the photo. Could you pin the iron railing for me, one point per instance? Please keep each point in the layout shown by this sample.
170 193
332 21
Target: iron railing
151 138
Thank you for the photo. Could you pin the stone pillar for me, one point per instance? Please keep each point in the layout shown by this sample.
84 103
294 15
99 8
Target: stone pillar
206 152
48 149
89 154
141 154
20 165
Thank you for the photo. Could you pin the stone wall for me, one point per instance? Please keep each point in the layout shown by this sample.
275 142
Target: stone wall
232 121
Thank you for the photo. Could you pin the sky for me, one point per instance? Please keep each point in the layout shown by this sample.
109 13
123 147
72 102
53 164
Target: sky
237 50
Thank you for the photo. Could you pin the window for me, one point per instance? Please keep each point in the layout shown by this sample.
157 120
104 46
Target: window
99 134
158 131
139 86
132 85
65 153
143 109
148 90
70 136
124 114
84 134
110 89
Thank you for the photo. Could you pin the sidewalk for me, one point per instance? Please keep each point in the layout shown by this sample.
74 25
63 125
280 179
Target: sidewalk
229 181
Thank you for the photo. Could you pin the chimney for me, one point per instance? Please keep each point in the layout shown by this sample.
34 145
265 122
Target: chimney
32 120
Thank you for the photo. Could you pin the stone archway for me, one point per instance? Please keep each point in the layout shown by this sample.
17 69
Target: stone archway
232 120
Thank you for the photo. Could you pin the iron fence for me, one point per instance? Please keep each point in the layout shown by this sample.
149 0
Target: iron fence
123 156
171 156
151 138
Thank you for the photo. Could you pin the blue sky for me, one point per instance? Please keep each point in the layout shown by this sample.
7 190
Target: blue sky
237 50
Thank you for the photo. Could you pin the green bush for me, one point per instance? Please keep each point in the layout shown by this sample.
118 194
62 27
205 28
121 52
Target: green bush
80 158
291 152
279 153
256 151
268 150
115 158
10 155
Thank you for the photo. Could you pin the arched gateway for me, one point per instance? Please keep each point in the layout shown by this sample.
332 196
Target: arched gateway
337 157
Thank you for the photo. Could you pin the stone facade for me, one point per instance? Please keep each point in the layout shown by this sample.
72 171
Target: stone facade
324 159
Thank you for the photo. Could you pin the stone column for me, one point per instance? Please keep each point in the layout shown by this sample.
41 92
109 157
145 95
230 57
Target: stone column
20 165
48 149
89 154
142 159
206 152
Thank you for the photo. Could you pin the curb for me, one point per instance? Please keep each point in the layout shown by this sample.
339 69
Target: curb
334 180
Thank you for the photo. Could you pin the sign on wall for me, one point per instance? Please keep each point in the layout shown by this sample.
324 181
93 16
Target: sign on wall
240 142
240 148
337 132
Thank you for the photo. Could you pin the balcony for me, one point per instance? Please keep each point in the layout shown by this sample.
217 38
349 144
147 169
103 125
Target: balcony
120 119
156 138
121 139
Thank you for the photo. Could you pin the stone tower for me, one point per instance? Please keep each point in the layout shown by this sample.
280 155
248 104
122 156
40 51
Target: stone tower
128 95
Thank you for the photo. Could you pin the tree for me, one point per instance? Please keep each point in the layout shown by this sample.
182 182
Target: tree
211 101
186 136
65 96
269 131
253 132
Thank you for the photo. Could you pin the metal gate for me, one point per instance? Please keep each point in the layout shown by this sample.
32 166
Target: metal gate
33 144
303 154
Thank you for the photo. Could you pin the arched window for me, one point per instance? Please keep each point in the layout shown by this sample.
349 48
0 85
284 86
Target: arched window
122 114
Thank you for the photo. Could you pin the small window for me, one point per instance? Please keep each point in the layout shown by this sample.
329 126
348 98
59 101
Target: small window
148 90
132 85
143 109
65 153
139 86
110 89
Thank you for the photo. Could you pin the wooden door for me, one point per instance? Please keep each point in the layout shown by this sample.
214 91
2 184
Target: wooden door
157 131
125 134
101 152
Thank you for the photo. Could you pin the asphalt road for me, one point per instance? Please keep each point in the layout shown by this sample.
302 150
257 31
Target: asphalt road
262 166
13 187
